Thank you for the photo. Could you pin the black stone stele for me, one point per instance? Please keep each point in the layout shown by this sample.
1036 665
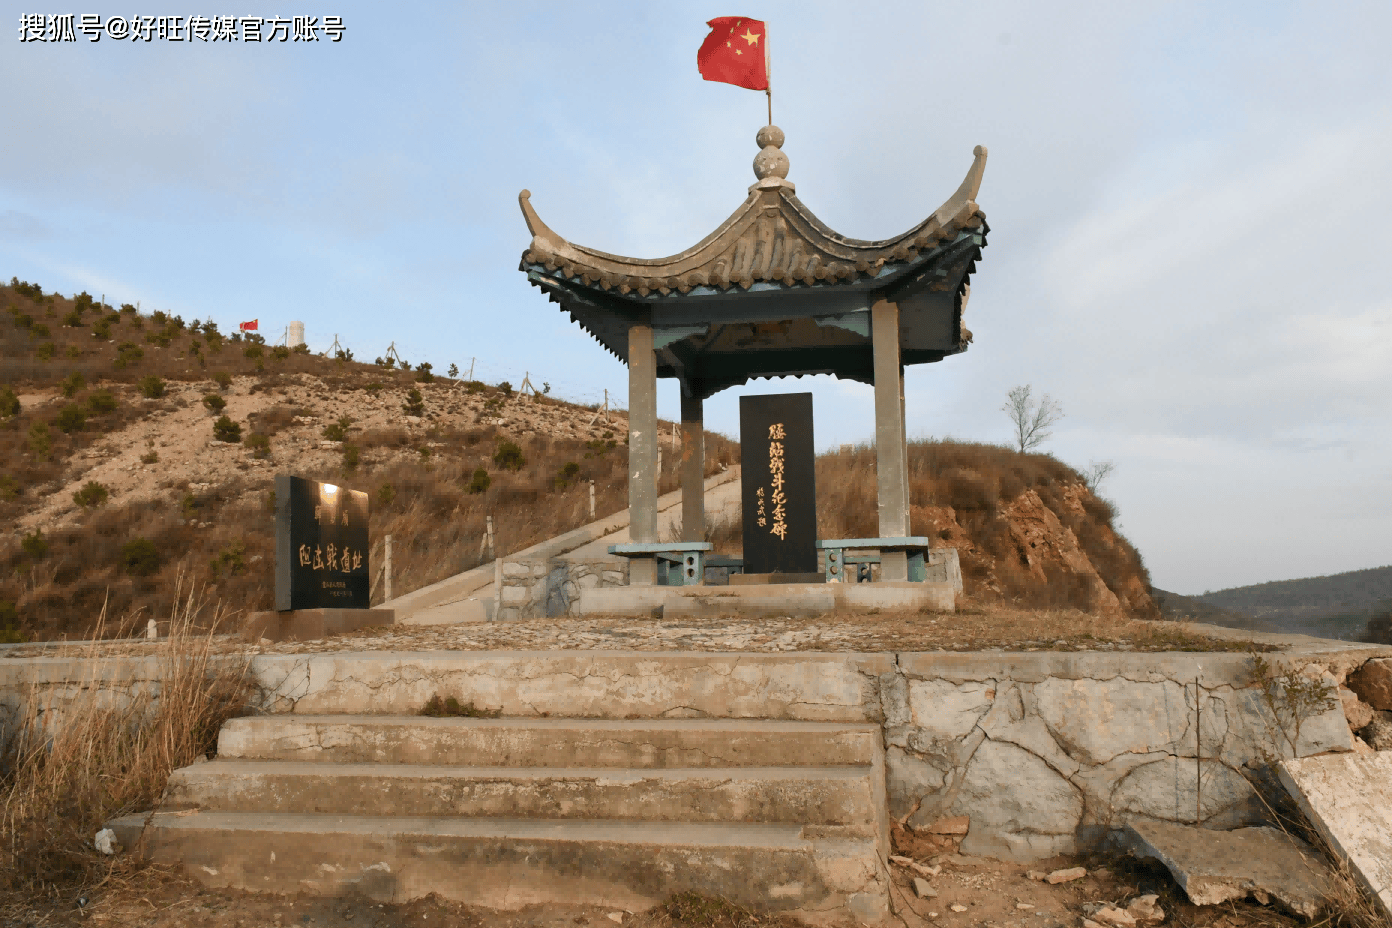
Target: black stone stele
321 546
779 484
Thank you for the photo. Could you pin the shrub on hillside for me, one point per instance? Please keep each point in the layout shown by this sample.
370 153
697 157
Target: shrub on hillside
350 456
91 494
335 431
151 387
385 494
102 329
414 406
72 383
46 351
509 456
73 319
252 350
260 445
139 557
222 379
475 386
9 402
39 330
24 288
101 402
505 388
71 419
128 353
280 352
229 559
9 488
480 481
34 545
40 442
567 475
215 403
224 429
423 374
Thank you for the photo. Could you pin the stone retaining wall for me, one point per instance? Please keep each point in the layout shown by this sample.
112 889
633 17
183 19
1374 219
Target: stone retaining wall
1049 753
1046 753
549 587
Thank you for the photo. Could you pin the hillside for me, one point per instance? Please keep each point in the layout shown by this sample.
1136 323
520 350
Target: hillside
1333 606
137 455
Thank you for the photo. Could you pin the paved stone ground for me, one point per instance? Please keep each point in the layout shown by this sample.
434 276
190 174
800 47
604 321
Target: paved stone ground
976 629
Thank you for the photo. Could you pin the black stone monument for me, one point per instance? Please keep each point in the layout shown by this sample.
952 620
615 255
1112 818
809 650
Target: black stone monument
321 546
779 490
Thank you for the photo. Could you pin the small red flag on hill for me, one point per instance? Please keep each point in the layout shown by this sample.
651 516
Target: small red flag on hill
249 326
735 52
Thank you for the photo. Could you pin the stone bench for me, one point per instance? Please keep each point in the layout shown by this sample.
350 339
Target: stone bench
682 563
839 562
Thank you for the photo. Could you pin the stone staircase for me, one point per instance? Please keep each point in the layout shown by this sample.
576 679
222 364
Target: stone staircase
777 814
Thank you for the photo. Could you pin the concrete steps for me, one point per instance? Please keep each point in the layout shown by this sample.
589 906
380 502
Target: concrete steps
509 863
780 814
804 795
533 742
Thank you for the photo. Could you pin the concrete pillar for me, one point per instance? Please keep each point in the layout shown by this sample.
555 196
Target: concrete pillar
642 450
693 466
891 459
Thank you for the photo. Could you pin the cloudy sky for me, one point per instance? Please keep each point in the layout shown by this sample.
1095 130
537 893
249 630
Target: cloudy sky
1188 202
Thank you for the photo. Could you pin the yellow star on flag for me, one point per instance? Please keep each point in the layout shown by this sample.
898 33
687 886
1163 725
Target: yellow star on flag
750 36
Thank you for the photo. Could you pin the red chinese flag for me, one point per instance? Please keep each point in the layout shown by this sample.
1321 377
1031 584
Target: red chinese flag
249 326
735 52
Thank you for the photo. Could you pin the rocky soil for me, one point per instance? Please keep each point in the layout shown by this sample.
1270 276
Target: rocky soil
178 429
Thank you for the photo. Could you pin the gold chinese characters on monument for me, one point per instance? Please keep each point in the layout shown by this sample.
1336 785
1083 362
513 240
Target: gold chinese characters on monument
777 434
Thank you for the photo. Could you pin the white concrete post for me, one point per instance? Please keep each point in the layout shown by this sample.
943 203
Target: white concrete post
497 589
592 515
386 571
488 535
891 469
642 450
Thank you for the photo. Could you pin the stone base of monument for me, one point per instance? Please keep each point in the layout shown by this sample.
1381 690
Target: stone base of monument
309 624
781 599
765 579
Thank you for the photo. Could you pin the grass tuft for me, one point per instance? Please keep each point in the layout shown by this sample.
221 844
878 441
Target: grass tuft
109 756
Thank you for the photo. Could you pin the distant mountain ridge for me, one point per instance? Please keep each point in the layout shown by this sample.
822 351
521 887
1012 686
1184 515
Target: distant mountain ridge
1348 606
1350 593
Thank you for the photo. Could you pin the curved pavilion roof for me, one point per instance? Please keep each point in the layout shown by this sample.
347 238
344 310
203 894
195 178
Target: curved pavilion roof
773 291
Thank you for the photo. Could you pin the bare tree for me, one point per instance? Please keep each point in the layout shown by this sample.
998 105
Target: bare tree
1096 472
1031 421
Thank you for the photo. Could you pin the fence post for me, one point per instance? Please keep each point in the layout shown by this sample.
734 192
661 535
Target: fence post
591 500
491 550
386 570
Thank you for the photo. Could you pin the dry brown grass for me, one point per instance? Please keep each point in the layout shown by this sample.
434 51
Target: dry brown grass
224 536
958 492
108 753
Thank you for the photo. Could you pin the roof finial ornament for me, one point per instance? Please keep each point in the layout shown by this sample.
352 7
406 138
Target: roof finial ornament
770 162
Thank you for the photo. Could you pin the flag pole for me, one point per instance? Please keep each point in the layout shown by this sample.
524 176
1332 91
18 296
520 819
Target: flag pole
768 74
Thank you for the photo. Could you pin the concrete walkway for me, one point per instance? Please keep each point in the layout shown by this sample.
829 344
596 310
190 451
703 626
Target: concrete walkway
468 597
